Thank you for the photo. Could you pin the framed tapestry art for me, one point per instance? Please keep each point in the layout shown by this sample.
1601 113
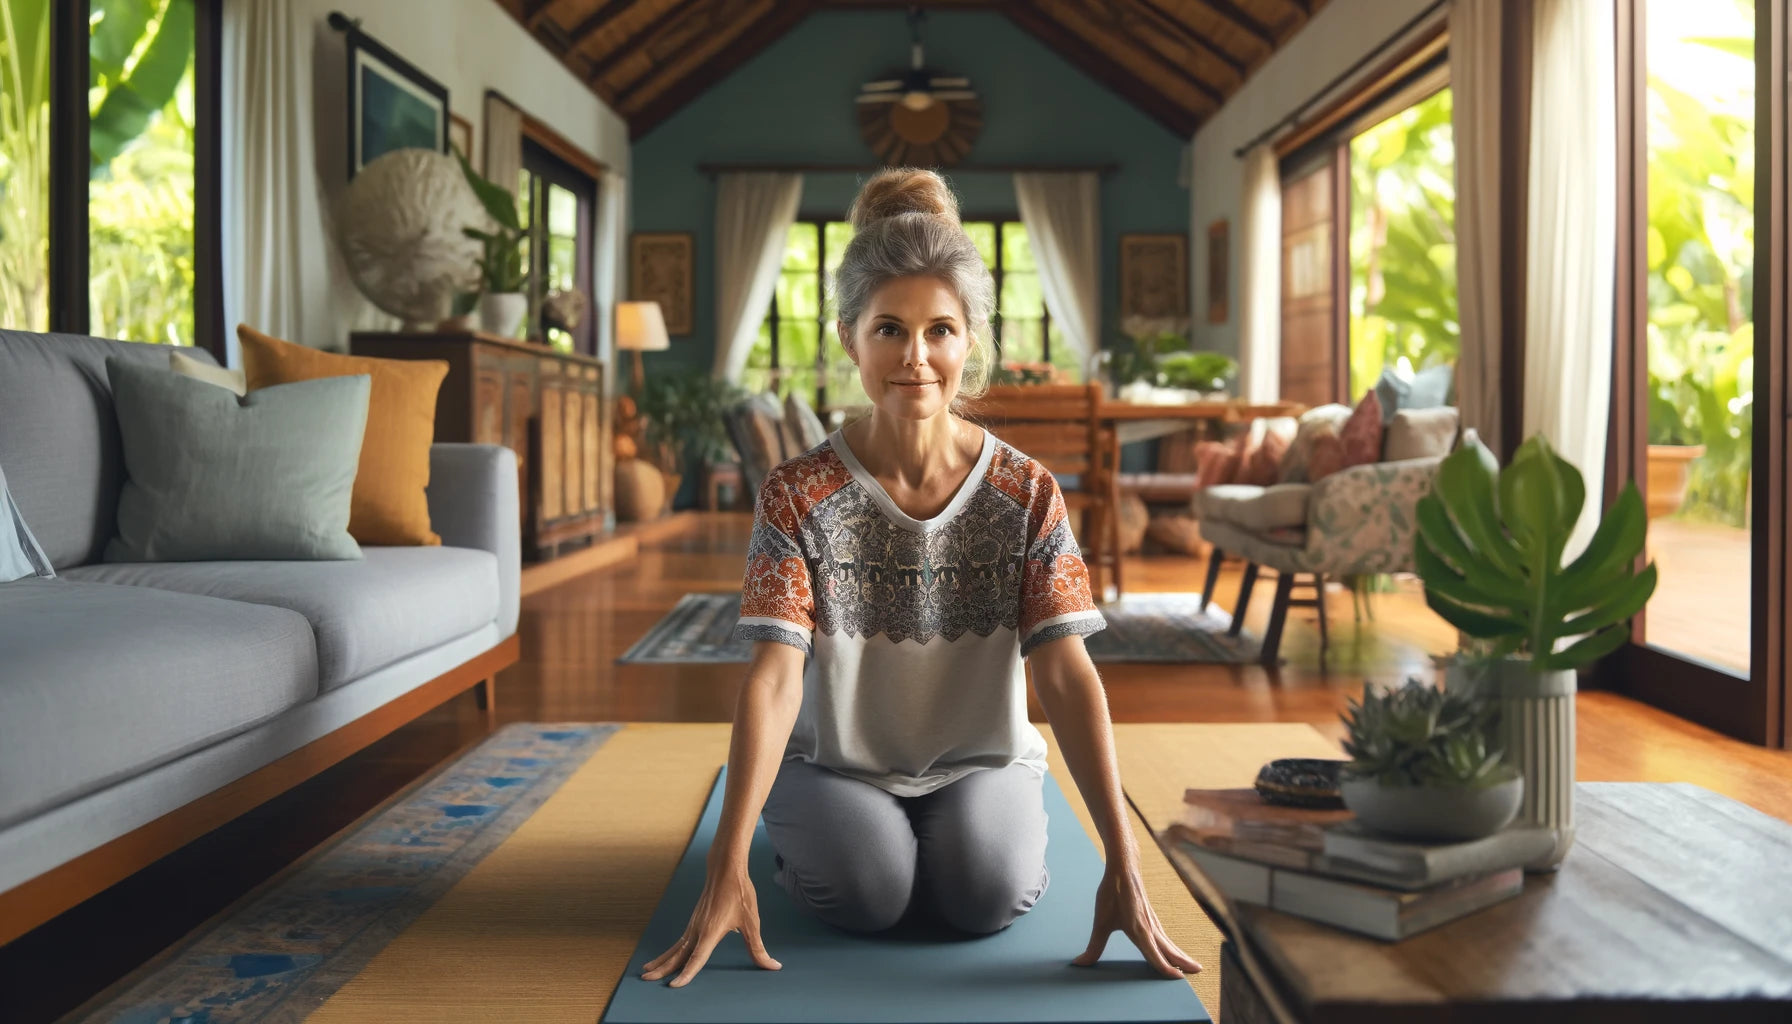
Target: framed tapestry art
660 269
1153 275
391 104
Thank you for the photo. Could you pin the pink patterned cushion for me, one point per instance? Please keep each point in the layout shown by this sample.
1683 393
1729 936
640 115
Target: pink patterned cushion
1326 458
1361 435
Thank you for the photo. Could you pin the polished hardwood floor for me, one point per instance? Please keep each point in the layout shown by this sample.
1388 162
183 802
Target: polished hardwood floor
572 633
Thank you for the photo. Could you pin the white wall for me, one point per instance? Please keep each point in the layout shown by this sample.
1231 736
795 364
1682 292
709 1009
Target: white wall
467 45
1340 34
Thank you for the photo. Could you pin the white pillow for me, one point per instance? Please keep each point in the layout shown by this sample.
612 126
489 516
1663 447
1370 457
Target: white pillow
187 366
20 555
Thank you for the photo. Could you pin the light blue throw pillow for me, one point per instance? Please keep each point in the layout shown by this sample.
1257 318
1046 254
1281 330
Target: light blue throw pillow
210 476
20 555
1428 389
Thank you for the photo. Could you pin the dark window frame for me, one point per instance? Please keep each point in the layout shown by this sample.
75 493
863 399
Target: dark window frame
995 322
545 167
774 320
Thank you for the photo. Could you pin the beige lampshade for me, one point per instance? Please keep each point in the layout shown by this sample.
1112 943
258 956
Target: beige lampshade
640 327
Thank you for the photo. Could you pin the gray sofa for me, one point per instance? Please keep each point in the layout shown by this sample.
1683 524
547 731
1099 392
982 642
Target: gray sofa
128 691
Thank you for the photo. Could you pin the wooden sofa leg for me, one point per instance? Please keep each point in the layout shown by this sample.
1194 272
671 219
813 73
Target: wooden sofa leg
1213 576
485 696
1278 617
1245 587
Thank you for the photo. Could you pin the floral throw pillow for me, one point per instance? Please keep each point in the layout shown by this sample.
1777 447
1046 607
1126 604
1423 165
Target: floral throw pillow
1361 436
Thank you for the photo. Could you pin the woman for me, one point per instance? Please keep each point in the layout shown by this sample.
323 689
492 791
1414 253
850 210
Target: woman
915 560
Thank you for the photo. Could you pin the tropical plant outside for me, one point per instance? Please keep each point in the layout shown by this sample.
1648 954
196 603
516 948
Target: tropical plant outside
1403 243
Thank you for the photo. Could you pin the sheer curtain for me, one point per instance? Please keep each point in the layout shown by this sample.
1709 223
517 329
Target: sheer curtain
1475 124
1062 214
754 211
1260 277
609 276
1570 239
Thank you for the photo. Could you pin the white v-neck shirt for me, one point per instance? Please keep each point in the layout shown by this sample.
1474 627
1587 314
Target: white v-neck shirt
916 630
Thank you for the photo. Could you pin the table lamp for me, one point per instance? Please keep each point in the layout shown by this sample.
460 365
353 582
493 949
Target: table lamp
640 327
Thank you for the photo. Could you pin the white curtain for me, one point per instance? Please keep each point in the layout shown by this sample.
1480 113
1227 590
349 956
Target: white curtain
272 222
754 211
503 142
1475 122
1062 215
1260 277
610 267
1570 239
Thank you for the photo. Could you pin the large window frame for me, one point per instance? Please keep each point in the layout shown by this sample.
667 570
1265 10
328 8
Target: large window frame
774 319
1000 221
544 169
69 267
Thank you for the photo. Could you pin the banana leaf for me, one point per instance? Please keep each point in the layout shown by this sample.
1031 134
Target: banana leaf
143 93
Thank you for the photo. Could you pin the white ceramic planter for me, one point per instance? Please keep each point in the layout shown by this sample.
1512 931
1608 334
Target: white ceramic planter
500 313
1537 732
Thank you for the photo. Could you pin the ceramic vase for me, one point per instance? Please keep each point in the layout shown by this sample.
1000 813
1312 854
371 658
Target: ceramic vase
501 312
1536 730
1433 814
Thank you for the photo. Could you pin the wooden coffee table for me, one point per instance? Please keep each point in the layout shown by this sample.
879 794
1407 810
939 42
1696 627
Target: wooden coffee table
1675 904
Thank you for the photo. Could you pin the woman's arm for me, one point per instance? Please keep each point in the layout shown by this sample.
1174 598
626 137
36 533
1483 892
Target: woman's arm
1075 704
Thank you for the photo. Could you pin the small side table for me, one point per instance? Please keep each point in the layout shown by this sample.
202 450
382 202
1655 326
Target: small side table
723 486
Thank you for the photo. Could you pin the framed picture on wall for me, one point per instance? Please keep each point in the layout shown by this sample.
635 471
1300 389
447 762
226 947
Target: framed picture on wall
460 136
660 267
1219 265
1154 275
391 104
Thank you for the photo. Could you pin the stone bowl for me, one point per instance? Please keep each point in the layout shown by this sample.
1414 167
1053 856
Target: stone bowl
1433 813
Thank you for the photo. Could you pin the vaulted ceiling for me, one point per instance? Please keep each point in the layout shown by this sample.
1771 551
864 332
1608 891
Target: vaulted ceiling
1177 60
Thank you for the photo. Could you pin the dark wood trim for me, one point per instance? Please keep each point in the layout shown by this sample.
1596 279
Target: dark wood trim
1195 38
632 44
595 21
1628 430
1514 177
1771 612
759 35
208 176
1430 45
543 134
1116 29
1341 275
31 904
1227 12
1102 68
71 162
698 42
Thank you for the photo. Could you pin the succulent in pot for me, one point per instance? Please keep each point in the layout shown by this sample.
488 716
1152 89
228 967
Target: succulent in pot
1490 547
1421 766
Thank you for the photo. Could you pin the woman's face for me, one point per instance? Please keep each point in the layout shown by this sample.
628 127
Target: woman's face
910 346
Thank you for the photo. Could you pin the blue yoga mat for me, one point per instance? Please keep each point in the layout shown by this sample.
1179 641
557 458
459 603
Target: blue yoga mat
913 974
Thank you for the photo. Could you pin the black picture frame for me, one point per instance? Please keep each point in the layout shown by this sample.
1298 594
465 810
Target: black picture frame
404 93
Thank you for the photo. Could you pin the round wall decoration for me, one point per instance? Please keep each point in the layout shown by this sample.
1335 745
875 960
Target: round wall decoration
919 117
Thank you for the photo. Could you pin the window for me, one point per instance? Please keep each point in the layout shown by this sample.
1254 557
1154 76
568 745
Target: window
797 346
1403 243
144 103
557 204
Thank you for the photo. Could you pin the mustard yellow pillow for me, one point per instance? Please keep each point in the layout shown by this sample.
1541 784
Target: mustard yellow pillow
389 505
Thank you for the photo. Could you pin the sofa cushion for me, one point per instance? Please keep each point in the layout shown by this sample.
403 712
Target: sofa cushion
1258 509
1421 434
365 614
1314 423
1361 433
1427 389
59 438
802 423
101 682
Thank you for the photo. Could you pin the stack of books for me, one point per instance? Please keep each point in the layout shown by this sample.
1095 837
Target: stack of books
1323 866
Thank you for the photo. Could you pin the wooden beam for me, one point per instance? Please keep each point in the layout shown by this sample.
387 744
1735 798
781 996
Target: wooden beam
595 21
758 35
1119 30
1104 69
533 11
1229 12
1193 37
695 42
633 43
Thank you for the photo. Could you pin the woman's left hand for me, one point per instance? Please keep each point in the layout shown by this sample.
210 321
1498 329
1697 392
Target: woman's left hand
1120 903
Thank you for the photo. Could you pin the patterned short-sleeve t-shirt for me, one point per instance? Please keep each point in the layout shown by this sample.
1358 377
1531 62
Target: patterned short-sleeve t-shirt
915 630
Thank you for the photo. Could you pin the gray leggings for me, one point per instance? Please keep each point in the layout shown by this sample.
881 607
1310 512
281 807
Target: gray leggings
971 853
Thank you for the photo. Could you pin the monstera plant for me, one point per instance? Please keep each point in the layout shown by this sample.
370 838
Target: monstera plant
1490 549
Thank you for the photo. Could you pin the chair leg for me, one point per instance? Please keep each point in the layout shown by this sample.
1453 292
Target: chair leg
1319 605
1213 576
1278 617
1244 598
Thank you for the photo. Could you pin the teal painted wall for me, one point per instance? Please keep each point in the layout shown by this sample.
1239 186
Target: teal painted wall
793 103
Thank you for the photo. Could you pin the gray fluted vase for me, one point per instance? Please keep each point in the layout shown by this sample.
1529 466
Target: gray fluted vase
1536 731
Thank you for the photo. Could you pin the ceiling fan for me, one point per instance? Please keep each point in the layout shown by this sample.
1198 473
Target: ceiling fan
917 89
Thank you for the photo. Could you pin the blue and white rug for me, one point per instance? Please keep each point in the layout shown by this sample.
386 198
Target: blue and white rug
282 951
1147 627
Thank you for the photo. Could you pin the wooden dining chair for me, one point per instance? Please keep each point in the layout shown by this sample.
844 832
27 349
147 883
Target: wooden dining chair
1060 425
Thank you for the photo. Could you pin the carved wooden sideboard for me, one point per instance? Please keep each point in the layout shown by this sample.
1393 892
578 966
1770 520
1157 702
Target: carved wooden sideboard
546 405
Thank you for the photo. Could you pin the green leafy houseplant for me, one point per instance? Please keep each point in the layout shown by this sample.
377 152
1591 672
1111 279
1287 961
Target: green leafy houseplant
1489 550
682 418
1417 735
501 265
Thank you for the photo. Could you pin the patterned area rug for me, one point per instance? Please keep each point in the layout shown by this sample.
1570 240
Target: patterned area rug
1157 627
281 951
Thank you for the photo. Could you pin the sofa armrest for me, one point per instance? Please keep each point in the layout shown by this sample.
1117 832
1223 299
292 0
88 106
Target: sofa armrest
473 504
1363 519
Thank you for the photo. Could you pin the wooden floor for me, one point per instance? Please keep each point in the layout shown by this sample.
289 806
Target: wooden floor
572 633
1701 605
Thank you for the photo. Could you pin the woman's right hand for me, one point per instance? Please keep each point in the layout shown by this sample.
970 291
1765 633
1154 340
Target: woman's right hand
728 904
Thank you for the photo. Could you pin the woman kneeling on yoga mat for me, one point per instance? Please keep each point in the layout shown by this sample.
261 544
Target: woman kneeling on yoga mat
897 576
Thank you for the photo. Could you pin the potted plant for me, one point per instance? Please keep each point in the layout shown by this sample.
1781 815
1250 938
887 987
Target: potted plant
1205 372
1489 549
1421 766
1673 444
501 272
682 419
